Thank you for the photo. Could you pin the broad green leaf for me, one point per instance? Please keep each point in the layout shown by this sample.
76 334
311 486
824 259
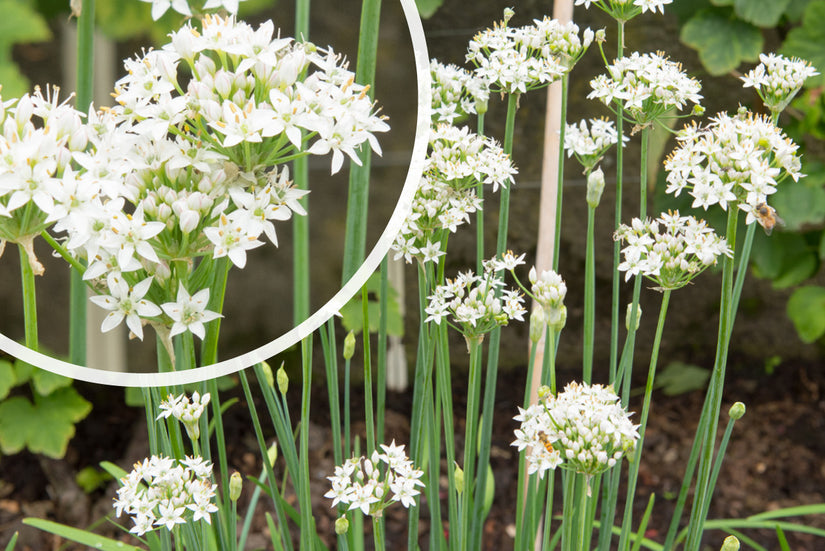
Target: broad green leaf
426 8
762 13
806 309
679 378
808 41
82 537
46 382
15 416
7 378
21 23
785 258
22 371
822 246
801 203
722 41
14 83
795 9
722 2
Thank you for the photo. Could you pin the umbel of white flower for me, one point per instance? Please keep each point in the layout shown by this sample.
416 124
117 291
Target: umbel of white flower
458 161
590 142
625 10
187 411
583 429
164 492
456 93
777 79
189 167
476 304
673 257
517 59
372 484
737 160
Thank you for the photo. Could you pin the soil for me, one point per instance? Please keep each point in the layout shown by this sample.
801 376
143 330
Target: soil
774 460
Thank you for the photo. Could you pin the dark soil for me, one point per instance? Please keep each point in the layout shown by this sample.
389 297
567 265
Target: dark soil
774 460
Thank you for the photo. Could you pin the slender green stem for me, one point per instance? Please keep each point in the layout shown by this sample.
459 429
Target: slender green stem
331 370
209 347
378 533
504 209
589 298
614 316
568 516
358 196
29 300
717 465
85 85
471 439
381 373
584 543
305 501
565 80
368 405
480 212
643 172
300 224
633 475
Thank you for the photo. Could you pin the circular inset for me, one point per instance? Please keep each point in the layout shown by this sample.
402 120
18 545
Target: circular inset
321 315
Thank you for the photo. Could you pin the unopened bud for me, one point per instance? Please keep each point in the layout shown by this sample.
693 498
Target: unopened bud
698 110
283 380
349 345
267 369
601 36
458 476
341 525
731 543
543 392
537 325
737 411
629 317
595 187
508 15
235 485
556 318
272 453
481 104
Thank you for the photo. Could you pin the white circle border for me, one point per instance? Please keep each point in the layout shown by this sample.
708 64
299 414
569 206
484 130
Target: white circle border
325 312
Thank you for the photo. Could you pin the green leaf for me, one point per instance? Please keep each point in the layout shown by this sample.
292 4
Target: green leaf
722 2
801 203
786 258
806 309
795 9
426 8
21 23
7 378
762 13
679 378
12 542
46 382
90 479
353 316
80 536
808 41
43 427
115 471
722 41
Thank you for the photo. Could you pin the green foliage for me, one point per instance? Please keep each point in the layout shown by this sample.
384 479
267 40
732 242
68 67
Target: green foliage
762 13
806 308
80 536
352 312
90 479
45 423
20 24
787 259
802 203
722 42
426 8
680 378
808 40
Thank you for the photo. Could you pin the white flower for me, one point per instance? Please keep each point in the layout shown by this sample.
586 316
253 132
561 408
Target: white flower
189 313
126 302
159 7
777 79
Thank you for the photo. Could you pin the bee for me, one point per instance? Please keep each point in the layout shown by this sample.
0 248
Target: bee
545 441
767 218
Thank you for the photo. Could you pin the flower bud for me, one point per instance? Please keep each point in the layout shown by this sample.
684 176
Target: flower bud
189 220
629 316
341 525
595 187
235 485
458 476
698 110
543 392
556 318
349 345
537 325
601 35
223 84
508 15
737 411
272 453
283 380
731 543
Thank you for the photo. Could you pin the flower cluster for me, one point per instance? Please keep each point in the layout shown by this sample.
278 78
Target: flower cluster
649 85
185 410
458 161
584 429
39 137
589 144
517 59
456 93
476 303
188 170
548 289
159 7
672 258
161 491
736 159
372 484
777 79
625 10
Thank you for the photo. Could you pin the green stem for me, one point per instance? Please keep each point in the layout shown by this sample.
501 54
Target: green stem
358 195
584 543
209 347
643 173
480 212
614 317
633 475
589 298
368 405
565 80
300 224
85 85
29 300
378 533
307 520
471 440
381 374
504 210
